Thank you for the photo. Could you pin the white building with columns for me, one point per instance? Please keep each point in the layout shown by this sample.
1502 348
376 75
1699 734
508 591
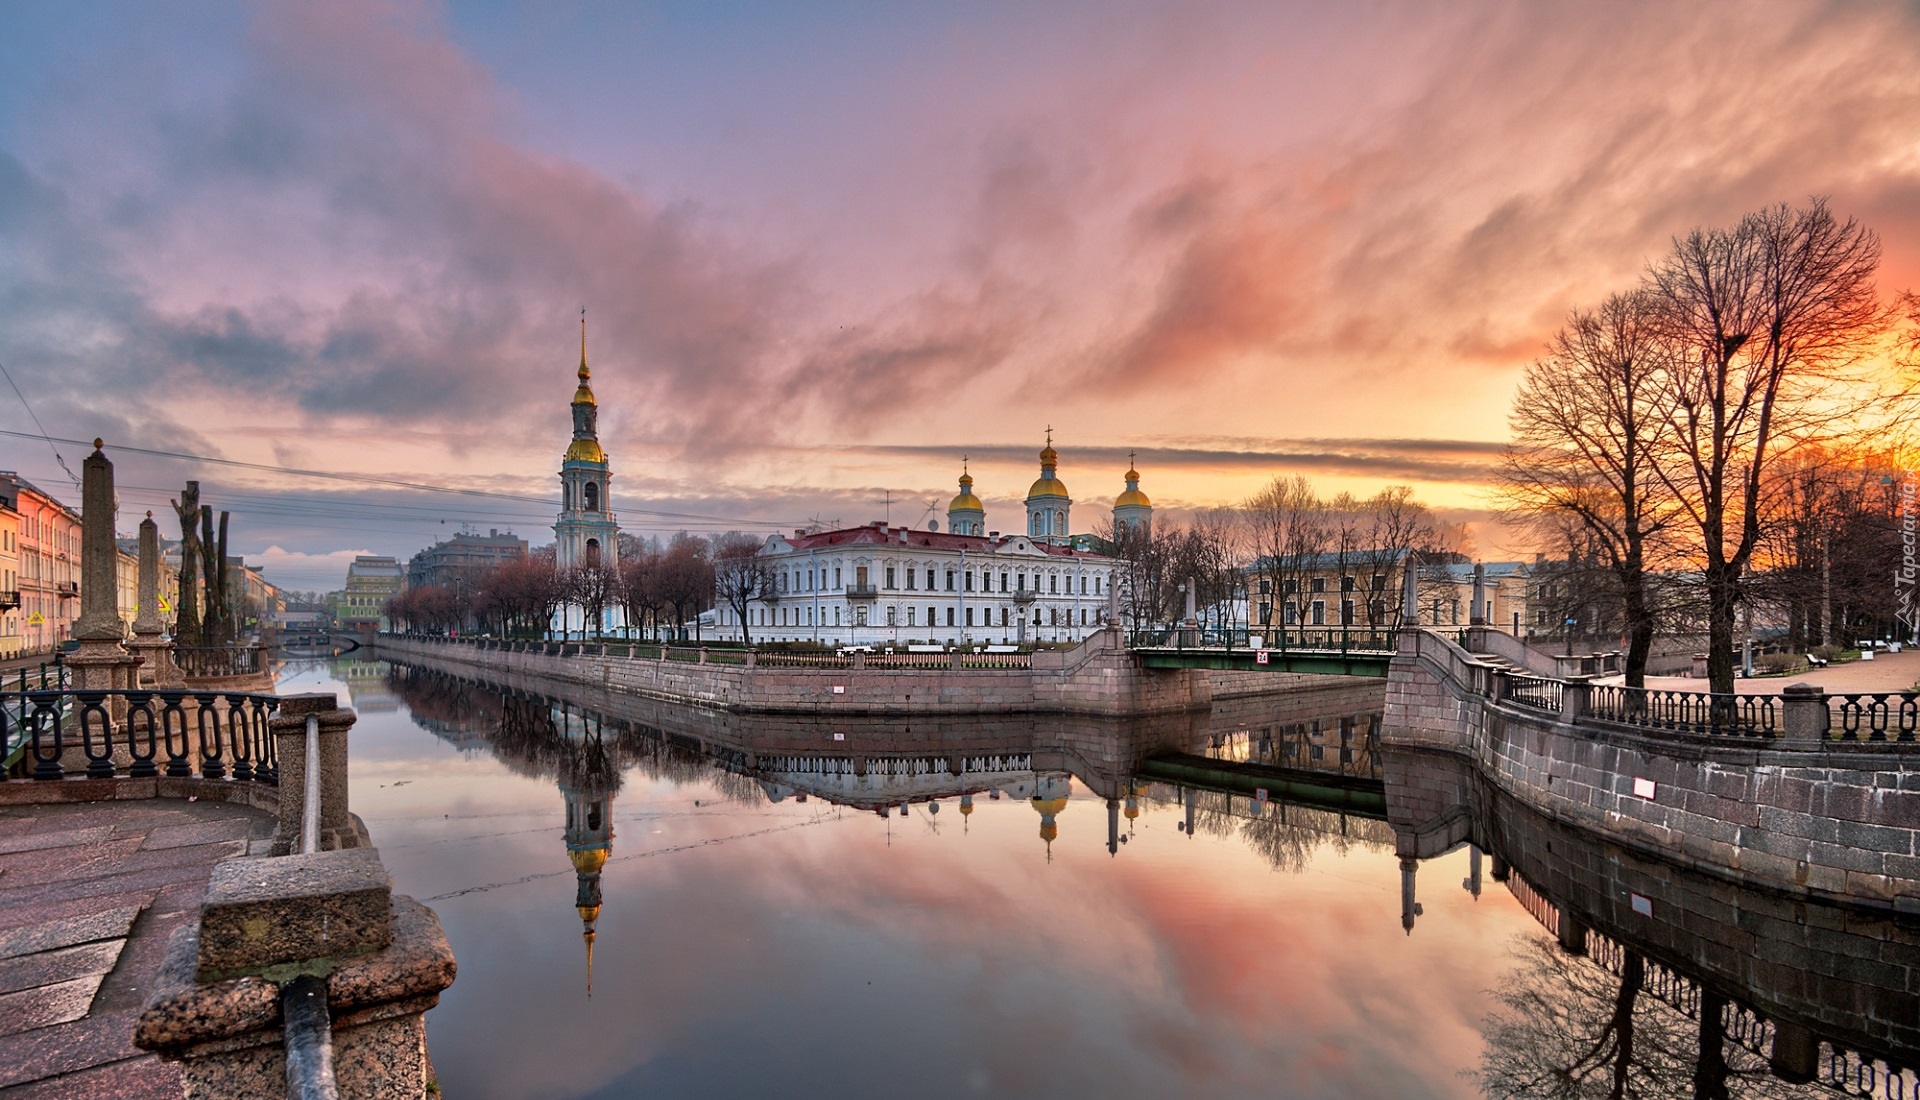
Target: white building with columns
886 585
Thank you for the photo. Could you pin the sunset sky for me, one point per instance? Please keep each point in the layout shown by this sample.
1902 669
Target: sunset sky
827 249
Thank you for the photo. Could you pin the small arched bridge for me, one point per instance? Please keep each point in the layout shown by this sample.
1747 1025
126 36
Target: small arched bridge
1331 651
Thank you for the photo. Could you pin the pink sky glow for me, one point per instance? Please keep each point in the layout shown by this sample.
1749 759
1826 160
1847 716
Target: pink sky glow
826 252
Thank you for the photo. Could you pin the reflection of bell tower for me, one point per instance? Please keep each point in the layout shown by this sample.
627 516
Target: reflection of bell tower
587 782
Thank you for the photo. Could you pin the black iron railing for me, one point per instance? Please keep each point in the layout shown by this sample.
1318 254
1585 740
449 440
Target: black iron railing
1881 716
1314 639
1694 712
235 660
179 733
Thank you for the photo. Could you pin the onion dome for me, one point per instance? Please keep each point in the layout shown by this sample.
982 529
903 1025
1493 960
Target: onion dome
585 450
1132 497
966 501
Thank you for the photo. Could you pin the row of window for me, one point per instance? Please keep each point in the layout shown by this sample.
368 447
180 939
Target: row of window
811 580
1291 585
1317 613
1057 616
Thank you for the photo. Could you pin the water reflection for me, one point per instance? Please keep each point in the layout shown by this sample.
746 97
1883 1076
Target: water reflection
1660 982
1223 940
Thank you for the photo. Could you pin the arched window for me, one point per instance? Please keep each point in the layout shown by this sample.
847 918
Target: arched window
593 549
593 496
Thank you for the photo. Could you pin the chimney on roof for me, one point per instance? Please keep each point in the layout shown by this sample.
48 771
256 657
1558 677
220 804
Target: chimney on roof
993 534
799 532
493 532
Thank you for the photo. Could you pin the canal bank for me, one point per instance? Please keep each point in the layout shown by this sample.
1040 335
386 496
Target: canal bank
1805 793
1099 677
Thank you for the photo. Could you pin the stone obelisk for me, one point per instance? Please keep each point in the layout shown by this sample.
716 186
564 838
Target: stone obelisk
149 643
100 662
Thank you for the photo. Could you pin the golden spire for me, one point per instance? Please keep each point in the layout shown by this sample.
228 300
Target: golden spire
584 372
588 936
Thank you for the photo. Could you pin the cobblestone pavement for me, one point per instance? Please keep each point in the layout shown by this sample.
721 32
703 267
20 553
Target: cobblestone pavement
89 894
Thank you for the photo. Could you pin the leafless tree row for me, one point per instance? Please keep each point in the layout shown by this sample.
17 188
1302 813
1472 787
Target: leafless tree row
659 588
1661 433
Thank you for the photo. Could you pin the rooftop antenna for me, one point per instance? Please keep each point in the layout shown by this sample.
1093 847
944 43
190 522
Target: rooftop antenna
888 500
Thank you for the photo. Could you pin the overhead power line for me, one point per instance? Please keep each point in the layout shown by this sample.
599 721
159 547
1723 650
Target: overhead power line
390 483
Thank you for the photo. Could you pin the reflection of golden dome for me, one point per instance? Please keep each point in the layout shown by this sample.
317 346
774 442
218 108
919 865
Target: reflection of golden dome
1047 807
589 861
1049 832
966 806
588 914
1047 487
1133 809
585 450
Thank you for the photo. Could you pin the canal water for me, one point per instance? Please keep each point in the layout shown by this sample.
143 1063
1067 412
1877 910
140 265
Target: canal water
772 924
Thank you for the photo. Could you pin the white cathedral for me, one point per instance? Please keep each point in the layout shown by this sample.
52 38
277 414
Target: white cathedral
887 585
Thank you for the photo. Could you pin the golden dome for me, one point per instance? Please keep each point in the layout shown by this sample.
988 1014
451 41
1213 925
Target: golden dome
589 861
1047 487
585 450
1049 456
1132 498
583 395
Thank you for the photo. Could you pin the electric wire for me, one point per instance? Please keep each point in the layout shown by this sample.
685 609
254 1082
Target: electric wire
36 423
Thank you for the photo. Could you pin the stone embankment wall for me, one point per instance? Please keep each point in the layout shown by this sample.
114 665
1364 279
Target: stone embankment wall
1825 818
1759 948
1099 677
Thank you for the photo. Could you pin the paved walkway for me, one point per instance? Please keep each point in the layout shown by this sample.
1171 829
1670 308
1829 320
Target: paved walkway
89 894
1886 672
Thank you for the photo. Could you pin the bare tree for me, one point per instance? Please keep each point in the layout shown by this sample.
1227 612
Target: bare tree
186 624
593 585
1767 322
1590 425
1289 531
740 576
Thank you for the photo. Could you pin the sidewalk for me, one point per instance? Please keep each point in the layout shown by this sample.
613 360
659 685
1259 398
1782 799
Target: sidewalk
1886 672
89 895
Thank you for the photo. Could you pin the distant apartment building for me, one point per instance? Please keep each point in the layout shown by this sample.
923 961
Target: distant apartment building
49 570
453 560
371 582
1363 590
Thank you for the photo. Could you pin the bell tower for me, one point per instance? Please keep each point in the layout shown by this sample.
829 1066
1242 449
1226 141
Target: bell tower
586 532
